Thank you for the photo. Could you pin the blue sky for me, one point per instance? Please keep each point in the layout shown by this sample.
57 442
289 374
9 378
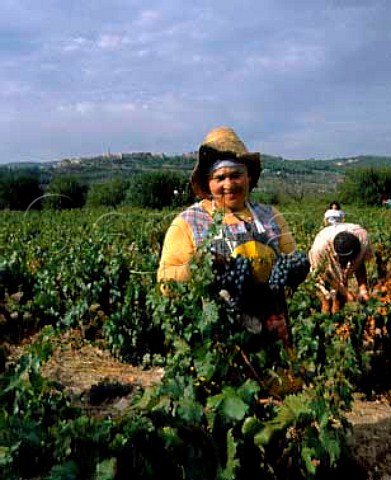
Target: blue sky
296 78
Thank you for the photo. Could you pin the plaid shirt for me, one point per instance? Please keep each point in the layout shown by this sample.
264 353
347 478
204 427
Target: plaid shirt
192 226
236 233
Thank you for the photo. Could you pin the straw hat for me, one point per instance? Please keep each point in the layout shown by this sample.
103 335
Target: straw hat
219 144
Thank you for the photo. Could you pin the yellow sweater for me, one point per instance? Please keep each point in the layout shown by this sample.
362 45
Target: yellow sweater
180 245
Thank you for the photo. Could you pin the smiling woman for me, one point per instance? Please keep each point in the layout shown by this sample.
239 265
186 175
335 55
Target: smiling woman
229 184
223 177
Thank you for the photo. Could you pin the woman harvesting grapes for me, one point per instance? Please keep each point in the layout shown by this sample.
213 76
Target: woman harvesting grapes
252 238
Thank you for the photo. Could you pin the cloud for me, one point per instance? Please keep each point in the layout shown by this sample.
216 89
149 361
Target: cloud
148 18
300 79
75 44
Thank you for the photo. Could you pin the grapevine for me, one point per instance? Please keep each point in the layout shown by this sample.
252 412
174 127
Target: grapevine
211 415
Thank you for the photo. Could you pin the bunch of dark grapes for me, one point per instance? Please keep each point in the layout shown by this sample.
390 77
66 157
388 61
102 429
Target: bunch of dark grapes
233 277
290 270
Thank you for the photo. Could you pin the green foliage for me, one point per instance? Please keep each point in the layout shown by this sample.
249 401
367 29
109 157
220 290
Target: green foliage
110 193
226 407
129 330
31 406
158 190
271 198
13 276
20 190
65 192
366 186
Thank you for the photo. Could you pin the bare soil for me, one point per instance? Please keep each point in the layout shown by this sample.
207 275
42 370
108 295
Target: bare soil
370 441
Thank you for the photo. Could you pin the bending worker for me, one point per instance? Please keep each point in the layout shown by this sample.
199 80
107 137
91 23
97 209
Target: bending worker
338 253
224 175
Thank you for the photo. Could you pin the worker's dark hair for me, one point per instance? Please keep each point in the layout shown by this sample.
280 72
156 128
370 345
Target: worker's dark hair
337 204
347 246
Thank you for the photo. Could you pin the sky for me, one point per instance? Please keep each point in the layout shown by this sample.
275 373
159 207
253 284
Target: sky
295 78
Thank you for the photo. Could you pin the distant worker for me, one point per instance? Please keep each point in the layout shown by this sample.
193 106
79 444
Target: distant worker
333 214
339 251
386 201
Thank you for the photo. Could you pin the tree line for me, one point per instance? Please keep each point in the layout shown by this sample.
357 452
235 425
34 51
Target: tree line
27 189
22 190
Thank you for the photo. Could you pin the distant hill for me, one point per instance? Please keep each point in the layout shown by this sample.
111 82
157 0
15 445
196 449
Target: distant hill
148 160
278 172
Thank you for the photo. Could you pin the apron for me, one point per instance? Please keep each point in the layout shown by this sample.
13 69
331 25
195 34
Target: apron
263 309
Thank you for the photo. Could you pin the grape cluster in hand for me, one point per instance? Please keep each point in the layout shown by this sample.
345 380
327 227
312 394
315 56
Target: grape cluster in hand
289 270
233 276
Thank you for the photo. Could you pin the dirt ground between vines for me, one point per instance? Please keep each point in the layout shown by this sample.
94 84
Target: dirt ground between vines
370 441
78 365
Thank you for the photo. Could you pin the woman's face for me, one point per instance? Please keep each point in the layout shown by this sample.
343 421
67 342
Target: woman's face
229 187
